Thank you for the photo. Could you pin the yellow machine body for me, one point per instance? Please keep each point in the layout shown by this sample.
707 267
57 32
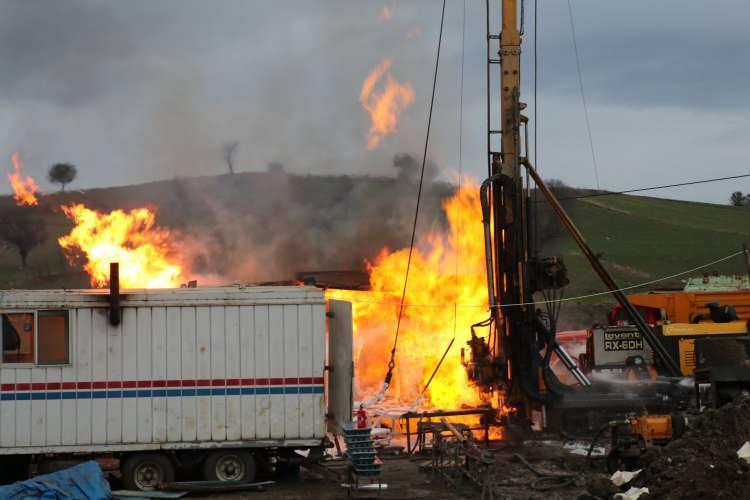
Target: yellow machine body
687 333
652 427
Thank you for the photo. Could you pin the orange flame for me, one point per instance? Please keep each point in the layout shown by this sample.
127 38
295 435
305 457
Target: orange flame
385 14
384 105
24 187
131 238
447 268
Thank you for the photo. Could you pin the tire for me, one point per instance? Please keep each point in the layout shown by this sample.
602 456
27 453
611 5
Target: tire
230 465
146 471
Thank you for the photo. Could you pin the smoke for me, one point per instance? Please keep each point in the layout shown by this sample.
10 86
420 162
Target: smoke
257 227
142 93
409 167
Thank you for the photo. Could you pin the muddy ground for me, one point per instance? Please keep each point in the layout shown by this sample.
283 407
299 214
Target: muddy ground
413 477
704 462
701 464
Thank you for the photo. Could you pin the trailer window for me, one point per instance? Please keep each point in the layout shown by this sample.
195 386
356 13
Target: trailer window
18 337
52 337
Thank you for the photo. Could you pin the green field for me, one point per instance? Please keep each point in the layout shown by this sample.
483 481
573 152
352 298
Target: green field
642 239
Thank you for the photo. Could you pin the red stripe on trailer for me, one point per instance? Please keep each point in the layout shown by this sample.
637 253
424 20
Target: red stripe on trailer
148 384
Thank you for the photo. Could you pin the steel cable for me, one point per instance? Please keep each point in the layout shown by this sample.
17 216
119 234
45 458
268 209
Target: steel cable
392 362
566 299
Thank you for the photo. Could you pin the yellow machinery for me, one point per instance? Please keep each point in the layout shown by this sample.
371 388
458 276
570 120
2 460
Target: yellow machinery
633 436
707 307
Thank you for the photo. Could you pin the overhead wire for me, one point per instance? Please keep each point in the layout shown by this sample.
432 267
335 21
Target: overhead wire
457 232
583 94
392 362
536 121
565 299
652 188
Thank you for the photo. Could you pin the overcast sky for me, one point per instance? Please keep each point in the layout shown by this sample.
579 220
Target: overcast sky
140 90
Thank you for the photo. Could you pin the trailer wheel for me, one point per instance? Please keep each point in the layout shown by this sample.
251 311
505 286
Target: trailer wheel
146 471
229 465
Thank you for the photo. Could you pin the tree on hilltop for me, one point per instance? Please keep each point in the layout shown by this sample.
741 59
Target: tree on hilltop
62 173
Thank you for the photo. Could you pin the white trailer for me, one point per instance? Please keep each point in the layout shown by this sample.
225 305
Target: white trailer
225 379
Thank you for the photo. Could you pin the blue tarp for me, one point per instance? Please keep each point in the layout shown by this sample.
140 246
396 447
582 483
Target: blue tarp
82 482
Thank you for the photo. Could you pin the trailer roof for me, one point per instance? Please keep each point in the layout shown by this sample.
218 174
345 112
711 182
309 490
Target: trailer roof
228 295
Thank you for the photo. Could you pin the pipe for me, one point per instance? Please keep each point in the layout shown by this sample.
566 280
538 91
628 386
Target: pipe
571 365
115 313
604 275
486 218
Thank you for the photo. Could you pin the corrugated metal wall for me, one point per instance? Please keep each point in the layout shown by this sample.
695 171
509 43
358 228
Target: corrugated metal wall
174 374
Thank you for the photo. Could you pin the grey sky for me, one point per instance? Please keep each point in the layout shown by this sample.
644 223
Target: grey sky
140 90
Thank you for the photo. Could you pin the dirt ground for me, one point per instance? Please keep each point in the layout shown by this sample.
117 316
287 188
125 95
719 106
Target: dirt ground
701 464
414 478
704 462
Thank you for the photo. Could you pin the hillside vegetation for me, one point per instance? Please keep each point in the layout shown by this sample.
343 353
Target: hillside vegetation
642 239
268 226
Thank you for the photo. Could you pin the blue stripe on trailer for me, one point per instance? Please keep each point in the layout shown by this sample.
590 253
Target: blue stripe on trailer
159 393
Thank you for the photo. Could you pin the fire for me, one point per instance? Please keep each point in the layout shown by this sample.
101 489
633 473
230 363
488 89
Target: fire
385 14
147 260
430 319
24 187
384 105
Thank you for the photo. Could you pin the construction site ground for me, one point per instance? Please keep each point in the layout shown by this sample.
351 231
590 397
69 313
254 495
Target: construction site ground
413 477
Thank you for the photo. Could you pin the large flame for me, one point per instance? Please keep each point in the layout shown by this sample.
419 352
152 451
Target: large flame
385 104
24 187
430 320
143 249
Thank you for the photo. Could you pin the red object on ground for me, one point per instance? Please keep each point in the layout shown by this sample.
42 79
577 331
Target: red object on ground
361 418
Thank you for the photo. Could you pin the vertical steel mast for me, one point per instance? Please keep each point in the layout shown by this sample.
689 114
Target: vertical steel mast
515 346
511 243
522 369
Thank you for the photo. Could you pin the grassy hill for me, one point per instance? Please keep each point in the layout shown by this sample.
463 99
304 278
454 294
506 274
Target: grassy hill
643 239
264 226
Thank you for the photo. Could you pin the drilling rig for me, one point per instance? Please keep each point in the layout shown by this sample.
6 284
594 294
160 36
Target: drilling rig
513 359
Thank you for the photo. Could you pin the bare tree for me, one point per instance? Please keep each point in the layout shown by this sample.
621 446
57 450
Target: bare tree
62 173
229 149
22 229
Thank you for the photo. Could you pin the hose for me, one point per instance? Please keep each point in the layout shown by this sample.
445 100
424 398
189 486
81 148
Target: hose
555 480
595 439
